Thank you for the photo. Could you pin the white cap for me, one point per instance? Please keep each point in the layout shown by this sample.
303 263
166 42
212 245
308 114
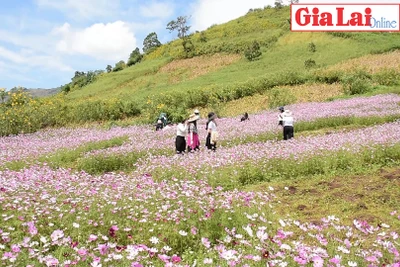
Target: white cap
196 111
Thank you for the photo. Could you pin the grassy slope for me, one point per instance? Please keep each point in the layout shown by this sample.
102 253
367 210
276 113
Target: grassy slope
283 51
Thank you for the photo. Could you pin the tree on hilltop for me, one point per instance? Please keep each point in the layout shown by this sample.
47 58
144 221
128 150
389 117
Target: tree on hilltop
134 57
150 43
109 68
180 25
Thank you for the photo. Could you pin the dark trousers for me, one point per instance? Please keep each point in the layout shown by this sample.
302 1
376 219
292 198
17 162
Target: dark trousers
208 143
288 132
180 144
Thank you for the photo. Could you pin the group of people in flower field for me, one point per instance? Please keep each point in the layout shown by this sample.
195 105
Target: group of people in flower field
187 132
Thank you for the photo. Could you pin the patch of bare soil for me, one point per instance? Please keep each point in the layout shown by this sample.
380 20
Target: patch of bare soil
393 175
194 67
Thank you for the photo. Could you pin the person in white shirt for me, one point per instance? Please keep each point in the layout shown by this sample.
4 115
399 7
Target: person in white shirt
212 134
180 141
288 125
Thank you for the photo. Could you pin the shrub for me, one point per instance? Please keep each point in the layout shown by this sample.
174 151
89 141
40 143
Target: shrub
280 97
356 83
309 63
387 77
312 47
253 52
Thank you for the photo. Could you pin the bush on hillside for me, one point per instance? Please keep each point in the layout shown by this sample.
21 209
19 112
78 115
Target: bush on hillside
119 66
253 52
388 77
135 57
312 47
356 83
309 63
280 97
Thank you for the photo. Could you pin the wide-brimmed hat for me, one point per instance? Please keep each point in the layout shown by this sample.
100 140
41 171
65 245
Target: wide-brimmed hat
193 117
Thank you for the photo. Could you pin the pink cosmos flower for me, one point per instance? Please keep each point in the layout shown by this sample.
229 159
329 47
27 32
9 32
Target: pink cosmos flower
193 230
205 242
32 229
103 248
92 237
15 248
175 259
57 234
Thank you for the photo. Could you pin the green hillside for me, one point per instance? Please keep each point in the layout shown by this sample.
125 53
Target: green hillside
214 72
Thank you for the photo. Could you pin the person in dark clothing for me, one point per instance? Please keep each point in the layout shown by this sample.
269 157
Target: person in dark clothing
245 117
280 116
159 125
212 134
288 125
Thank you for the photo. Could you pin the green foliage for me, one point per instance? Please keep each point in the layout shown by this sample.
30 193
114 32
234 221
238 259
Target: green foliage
326 164
278 4
388 77
357 83
3 94
135 57
280 97
119 66
253 52
312 47
109 68
188 48
102 163
309 63
203 37
81 79
66 88
150 43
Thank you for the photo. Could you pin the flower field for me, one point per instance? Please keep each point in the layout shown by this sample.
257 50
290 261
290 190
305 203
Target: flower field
204 208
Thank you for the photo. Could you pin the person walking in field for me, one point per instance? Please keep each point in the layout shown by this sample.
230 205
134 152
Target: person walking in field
180 141
212 133
288 125
280 116
193 140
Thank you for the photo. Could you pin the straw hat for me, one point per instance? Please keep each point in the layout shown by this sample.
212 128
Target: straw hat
193 117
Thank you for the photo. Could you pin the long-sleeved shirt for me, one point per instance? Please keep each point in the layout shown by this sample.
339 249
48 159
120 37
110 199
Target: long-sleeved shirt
181 130
288 120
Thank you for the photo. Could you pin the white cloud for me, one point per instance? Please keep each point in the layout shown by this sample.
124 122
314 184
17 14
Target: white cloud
10 55
85 9
209 12
111 41
29 58
157 9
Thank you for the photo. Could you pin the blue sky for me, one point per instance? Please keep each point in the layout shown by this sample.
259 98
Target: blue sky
43 42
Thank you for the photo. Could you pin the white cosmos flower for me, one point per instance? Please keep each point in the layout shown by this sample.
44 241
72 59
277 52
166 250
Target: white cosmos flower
154 240
182 233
